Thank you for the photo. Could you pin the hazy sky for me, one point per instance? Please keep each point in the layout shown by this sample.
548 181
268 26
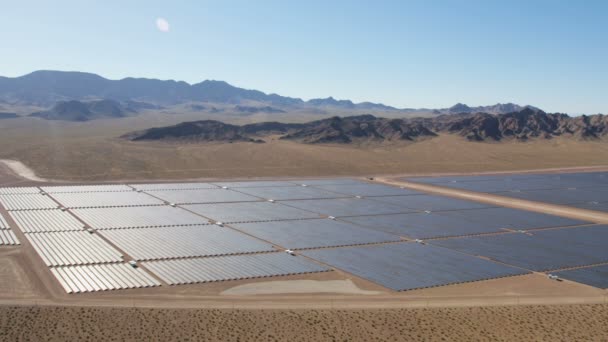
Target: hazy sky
552 54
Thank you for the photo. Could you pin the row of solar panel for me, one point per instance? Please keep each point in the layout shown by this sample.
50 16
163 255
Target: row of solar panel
7 237
90 278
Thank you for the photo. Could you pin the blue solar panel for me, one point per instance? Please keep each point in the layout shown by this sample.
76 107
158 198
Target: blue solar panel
515 218
562 196
289 192
367 190
249 212
327 181
425 226
313 233
347 207
431 202
406 266
594 276
540 251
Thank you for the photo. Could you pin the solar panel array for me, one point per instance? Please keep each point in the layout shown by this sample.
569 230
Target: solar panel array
425 225
182 242
73 248
137 217
347 207
407 266
314 233
173 186
202 270
7 237
27 202
52 220
588 190
3 223
290 193
249 212
347 224
539 251
105 199
596 276
195 196
86 188
90 278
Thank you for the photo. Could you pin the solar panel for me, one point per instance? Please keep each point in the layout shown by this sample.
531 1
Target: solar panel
73 248
202 270
105 199
173 186
90 278
249 212
407 266
138 217
182 242
327 181
347 207
290 193
431 202
368 190
8 238
596 276
562 196
253 184
202 196
313 233
27 202
3 223
425 226
540 251
52 220
515 218
19 190
87 188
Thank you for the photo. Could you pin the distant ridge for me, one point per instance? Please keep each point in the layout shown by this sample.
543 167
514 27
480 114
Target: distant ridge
522 125
45 88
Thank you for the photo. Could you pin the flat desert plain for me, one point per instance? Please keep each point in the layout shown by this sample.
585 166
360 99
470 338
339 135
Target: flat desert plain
92 151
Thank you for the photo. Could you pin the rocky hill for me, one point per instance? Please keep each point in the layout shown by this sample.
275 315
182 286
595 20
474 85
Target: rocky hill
522 125
198 131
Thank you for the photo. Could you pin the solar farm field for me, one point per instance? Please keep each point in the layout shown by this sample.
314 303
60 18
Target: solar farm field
96 238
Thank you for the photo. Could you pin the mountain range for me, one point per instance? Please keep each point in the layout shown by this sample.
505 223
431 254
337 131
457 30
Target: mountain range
48 89
522 125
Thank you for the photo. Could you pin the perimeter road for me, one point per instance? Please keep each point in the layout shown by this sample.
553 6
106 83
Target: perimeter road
545 208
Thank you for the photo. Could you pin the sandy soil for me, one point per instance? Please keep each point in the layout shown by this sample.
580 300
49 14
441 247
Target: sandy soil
524 323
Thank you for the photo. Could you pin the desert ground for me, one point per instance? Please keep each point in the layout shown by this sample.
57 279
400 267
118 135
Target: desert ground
92 151
322 306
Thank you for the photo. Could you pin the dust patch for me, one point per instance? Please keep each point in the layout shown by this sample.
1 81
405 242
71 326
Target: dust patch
298 286
22 170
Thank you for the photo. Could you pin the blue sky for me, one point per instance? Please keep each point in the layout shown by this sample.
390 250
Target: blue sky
551 54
